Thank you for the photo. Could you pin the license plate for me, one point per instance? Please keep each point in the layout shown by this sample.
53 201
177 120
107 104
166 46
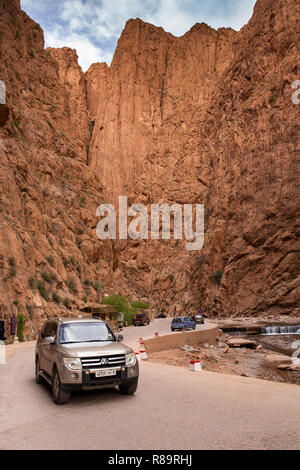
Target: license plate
105 373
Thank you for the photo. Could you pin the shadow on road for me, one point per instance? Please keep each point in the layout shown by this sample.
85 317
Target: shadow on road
86 397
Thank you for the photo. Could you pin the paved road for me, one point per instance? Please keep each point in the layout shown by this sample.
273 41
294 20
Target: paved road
173 407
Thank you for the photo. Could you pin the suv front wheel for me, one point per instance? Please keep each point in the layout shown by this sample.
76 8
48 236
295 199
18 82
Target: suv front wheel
129 389
60 396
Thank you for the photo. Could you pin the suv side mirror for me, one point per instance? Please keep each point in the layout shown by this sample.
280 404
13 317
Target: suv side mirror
119 338
49 340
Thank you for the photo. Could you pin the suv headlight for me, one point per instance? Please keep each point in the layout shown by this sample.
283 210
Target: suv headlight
130 359
73 363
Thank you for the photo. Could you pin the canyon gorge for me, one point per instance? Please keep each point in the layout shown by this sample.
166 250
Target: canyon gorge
206 118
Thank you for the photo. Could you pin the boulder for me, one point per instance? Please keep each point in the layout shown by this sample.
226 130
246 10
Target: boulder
277 359
242 343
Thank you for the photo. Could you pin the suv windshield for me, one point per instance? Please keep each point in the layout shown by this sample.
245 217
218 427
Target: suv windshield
85 333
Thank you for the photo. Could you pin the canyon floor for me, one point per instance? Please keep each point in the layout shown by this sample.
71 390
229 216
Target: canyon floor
212 411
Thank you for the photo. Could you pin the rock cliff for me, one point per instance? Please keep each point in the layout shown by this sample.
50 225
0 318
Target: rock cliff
236 152
204 118
50 259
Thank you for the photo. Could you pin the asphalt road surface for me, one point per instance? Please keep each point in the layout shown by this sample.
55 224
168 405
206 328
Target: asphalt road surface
173 409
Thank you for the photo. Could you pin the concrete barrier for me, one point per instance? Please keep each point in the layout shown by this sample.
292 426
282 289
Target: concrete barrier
208 334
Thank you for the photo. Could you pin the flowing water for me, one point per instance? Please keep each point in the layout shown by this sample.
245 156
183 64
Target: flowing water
284 339
280 330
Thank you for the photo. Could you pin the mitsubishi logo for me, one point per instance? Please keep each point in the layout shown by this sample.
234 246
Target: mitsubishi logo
104 362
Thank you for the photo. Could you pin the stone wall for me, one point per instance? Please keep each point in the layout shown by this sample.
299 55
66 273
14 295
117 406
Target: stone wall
176 340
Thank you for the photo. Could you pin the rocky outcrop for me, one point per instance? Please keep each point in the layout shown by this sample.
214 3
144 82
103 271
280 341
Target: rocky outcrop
230 143
96 88
153 76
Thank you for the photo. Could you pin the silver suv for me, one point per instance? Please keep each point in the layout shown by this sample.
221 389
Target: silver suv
83 354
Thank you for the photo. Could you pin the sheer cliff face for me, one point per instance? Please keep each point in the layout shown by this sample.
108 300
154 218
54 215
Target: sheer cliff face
48 194
153 76
209 118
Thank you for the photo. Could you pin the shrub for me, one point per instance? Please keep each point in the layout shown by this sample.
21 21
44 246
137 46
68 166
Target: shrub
200 261
217 276
56 298
42 289
80 231
20 328
14 123
67 303
171 277
31 53
78 269
11 261
73 260
46 192
18 35
118 301
97 286
48 276
156 281
32 282
87 290
85 299
65 261
29 309
12 271
128 318
72 286
82 202
139 304
272 99
50 260
123 305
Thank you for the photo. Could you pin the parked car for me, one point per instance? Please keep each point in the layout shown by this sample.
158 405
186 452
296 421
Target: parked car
199 319
141 320
83 354
161 315
183 323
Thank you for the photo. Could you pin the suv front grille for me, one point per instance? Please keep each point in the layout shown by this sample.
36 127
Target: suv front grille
103 362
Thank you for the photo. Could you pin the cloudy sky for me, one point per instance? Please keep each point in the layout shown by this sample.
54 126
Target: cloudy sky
92 27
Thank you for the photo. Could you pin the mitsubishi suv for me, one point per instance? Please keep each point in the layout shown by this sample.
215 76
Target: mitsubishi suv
83 354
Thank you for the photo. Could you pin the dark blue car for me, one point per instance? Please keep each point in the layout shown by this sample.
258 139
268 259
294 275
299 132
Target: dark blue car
183 323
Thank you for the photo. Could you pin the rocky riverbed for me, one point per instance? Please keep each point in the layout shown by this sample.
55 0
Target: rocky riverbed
243 356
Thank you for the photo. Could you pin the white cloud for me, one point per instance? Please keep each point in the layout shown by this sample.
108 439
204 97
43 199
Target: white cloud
94 26
87 52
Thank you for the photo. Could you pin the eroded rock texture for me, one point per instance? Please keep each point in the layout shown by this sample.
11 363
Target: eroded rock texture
208 118
49 254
